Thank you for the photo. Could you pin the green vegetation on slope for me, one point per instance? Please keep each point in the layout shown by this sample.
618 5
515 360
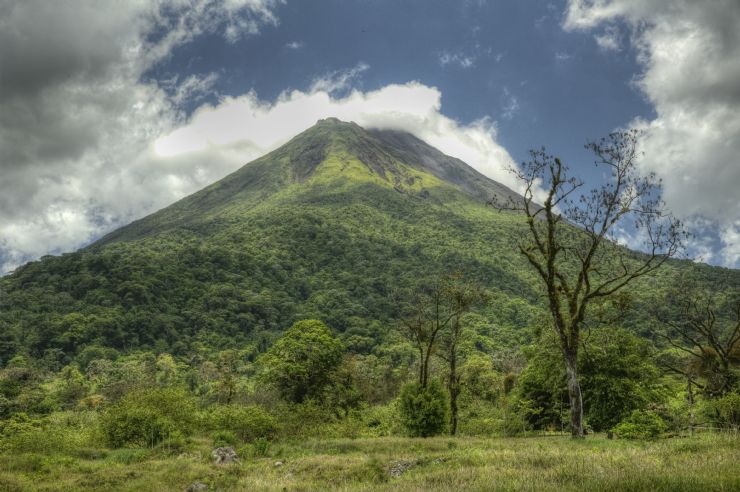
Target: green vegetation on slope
163 340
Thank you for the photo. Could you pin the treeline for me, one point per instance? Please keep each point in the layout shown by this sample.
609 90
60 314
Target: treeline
308 383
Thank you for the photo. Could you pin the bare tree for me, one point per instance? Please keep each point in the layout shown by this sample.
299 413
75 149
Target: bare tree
425 315
431 311
570 242
711 343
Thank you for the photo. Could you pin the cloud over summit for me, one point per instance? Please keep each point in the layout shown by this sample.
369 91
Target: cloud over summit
88 144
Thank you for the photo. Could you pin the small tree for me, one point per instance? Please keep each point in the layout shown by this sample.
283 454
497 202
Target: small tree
432 321
460 297
570 243
424 316
709 339
303 361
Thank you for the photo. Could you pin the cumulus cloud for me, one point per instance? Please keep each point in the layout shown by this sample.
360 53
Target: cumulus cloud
690 51
254 126
76 119
88 143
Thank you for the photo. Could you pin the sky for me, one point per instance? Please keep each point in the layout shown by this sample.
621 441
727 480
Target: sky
110 110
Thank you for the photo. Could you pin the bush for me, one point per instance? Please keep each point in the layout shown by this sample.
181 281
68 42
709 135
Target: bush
138 427
223 438
246 422
145 418
261 447
305 420
727 410
641 425
424 411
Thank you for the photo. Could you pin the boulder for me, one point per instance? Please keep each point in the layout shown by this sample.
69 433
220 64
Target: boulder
197 487
224 456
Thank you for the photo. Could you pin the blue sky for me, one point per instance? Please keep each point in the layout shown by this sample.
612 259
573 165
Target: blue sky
510 61
108 114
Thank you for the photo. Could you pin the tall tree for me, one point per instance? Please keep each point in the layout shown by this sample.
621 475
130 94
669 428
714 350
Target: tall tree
570 242
424 315
460 297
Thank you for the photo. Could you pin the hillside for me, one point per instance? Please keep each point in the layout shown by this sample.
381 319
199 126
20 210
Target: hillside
327 226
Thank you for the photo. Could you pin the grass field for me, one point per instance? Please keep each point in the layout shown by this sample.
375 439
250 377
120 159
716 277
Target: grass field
709 462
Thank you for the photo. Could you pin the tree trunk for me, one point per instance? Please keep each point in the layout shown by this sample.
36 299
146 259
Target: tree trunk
690 401
574 393
454 388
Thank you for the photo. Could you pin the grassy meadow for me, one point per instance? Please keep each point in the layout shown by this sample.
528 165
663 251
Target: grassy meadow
705 462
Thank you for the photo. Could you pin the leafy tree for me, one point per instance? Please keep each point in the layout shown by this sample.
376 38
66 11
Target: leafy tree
616 371
72 385
569 243
302 362
460 297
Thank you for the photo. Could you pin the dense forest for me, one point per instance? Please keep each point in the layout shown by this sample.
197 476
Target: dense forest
352 283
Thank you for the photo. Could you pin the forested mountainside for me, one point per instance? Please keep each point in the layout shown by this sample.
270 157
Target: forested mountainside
328 226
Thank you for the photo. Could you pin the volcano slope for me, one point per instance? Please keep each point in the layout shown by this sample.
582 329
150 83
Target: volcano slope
328 226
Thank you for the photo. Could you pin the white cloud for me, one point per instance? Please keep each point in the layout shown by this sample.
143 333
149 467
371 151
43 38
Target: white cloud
338 80
86 145
459 59
609 39
256 126
294 45
510 105
76 119
690 51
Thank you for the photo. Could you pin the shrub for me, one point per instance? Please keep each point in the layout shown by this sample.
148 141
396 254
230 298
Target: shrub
424 411
138 427
246 422
305 420
224 438
261 447
59 433
146 417
382 420
727 410
641 424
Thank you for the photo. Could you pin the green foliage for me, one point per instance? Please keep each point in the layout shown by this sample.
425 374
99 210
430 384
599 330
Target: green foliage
726 410
223 438
303 361
248 423
146 417
424 410
60 433
617 377
138 427
261 446
641 424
